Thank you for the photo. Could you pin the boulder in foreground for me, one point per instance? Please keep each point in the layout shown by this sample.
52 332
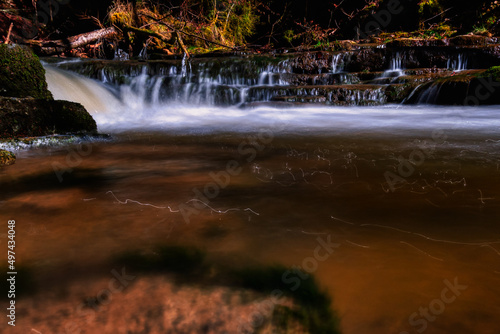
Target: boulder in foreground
28 117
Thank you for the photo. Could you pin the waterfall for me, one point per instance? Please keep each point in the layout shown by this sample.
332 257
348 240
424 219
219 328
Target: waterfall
92 94
337 65
273 74
457 62
395 66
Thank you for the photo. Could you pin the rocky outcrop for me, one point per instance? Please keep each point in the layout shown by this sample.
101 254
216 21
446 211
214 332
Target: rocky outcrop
21 117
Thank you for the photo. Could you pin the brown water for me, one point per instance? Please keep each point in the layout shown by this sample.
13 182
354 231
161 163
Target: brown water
395 248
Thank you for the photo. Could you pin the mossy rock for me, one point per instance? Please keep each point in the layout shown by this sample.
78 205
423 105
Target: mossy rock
38 117
21 73
493 72
7 158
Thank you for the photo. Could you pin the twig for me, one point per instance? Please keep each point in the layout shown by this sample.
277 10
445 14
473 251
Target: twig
444 11
8 34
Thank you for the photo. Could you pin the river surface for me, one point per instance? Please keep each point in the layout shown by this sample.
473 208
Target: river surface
409 195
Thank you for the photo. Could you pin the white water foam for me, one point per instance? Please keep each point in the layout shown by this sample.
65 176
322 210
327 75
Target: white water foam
130 108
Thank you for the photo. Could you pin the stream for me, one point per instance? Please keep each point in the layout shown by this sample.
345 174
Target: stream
409 194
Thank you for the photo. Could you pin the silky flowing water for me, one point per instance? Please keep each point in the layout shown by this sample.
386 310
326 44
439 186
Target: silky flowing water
410 196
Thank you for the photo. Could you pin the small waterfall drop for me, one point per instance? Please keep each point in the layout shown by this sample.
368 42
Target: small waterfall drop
337 63
395 66
458 62
92 94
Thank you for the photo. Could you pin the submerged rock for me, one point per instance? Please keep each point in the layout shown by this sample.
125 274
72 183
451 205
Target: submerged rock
21 73
21 117
7 158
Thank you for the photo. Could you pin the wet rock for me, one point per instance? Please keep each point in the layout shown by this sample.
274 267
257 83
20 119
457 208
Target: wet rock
21 73
492 51
471 40
350 94
311 62
470 88
7 158
367 60
416 42
22 117
318 79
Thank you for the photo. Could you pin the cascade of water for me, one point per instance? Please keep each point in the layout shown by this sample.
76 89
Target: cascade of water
144 53
185 66
395 66
272 75
458 62
337 65
216 82
429 95
92 94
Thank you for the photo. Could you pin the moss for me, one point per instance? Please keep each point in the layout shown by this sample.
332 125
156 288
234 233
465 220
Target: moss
21 73
493 72
429 8
7 158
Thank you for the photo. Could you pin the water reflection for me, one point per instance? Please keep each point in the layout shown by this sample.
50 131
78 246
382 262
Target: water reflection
396 248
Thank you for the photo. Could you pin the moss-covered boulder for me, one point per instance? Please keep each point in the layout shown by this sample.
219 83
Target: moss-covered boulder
7 158
38 117
21 73
493 72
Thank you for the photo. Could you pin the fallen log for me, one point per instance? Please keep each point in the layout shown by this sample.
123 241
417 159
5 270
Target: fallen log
49 48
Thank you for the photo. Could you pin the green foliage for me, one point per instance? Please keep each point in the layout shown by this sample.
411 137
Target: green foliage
435 31
438 31
431 7
480 30
493 72
289 35
234 20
